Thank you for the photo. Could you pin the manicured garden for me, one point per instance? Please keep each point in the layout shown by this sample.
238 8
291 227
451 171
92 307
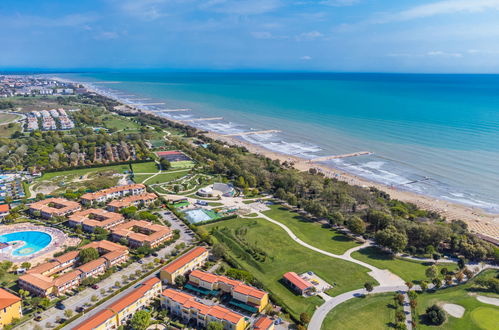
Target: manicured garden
312 233
369 312
267 252
408 270
477 315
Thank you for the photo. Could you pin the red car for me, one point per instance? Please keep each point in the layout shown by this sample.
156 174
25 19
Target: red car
95 286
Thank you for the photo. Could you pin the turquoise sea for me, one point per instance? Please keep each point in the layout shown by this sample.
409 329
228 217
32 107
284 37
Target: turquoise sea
441 131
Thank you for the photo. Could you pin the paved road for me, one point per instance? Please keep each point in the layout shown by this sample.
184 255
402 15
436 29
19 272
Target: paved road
85 297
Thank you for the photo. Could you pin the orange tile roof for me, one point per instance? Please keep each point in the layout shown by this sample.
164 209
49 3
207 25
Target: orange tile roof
41 281
127 201
297 280
118 306
263 323
42 268
149 231
101 217
188 301
4 208
104 192
184 259
105 245
63 279
91 265
67 256
238 286
7 298
113 255
65 205
96 320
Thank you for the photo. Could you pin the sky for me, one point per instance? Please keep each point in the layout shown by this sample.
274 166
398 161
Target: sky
440 36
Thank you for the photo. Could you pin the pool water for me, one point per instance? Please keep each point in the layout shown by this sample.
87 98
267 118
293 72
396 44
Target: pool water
30 242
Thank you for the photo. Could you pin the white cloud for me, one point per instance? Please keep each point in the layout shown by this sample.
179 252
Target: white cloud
431 53
106 35
309 35
242 7
443 54
306 58
438 8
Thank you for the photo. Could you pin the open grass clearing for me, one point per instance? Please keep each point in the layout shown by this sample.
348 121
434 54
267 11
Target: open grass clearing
408 270
82 171
6 118
477 315
372 311
148 167
160 178
119 123
282 254
312 233
6 131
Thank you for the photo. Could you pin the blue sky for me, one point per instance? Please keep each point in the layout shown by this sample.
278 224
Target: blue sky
324 35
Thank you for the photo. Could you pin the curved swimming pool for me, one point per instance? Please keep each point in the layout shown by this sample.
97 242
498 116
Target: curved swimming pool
29 242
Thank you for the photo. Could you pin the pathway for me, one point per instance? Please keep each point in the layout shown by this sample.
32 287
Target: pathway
407 312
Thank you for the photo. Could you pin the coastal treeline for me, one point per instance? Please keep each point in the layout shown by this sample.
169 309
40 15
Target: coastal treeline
393 224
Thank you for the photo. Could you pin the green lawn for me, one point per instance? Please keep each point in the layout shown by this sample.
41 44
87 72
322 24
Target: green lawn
215 204
149 167
79 172
408 270
283 255
182 164
119 123
160 178
371 312
477 315
7 117
6 131
311 232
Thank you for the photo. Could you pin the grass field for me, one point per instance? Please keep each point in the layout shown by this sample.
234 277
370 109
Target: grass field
119 123
182 164
160 178
7 117
149 167
283 255
311 232
477 315
372 312
79 172
6 131
408 270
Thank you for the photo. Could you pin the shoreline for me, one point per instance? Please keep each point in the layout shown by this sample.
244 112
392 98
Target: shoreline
478 220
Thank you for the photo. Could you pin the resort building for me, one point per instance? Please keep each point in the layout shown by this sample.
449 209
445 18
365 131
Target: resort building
191 309
51 207
264 323
10 308
142 233
184 264
39 280
91 218
118 313
296 283
243 296
217 189
142 200
113 193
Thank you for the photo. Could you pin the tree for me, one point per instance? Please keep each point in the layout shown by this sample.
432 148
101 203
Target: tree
409 284
444 271
218 251
140 320
180 281
413 303
424 286
436 256
26 265
68 313
94 298
399 298
88 254
304 318
431 272
356 225
117 284
215 326
400 316
164 164
391 238
369 287
435 315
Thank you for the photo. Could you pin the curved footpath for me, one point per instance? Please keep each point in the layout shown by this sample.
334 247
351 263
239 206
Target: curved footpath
388 282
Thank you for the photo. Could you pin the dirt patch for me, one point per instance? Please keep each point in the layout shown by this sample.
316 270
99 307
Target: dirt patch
454 310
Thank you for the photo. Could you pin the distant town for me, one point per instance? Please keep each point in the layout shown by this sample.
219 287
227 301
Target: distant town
114 218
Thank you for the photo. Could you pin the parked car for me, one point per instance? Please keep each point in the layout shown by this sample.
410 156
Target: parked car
95 286
79 309
60 306
38 318
140 261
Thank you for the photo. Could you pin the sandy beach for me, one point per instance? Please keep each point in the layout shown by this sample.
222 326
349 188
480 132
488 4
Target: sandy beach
478 220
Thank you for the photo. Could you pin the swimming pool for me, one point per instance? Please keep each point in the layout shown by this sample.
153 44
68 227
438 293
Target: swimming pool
29 242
